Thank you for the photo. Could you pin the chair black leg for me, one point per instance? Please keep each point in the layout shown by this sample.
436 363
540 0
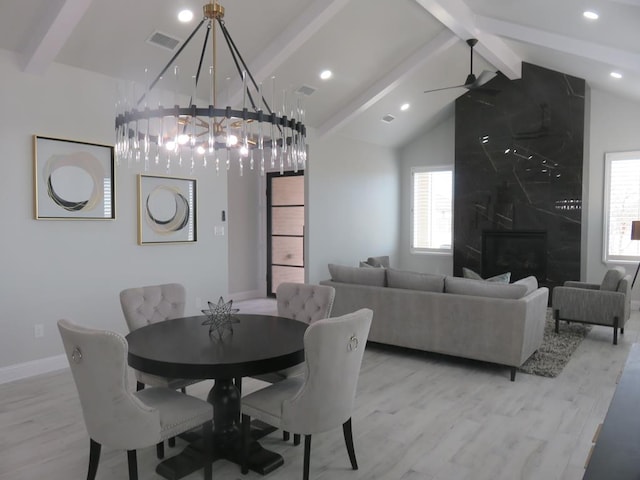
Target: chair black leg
296 439
307 456
238 383
94 459
285 436
615 330
172 442
348 440
556 316
513 374
160 450
184 390
246 426
132 459
207 434
139 386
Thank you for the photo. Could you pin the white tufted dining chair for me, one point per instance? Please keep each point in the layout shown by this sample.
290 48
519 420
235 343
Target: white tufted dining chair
116 417
324 397
304 302
155 303
142 306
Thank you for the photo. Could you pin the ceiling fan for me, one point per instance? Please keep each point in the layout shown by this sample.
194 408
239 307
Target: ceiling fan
472 83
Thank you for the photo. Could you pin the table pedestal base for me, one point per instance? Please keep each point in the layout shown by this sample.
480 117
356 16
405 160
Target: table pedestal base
227 440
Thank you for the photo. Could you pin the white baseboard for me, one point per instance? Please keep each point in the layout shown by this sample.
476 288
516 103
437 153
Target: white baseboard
32 368
239 296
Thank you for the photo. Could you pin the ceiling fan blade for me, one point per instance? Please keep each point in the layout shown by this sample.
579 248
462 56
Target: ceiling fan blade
444 88
485 77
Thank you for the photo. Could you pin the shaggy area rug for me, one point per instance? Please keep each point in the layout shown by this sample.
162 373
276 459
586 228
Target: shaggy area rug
556 348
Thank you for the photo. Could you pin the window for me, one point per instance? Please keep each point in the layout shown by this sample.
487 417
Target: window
621 205
431 209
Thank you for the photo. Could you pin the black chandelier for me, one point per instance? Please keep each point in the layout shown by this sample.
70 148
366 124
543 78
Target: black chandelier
255 133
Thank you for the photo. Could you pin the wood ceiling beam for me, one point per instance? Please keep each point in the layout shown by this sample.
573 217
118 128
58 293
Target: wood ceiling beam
56 24
388 82
458 17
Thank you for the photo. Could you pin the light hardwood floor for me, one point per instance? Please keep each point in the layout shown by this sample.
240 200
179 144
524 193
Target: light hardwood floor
417 417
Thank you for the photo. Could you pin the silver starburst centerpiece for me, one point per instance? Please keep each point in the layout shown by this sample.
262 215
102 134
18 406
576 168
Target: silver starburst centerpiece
220 317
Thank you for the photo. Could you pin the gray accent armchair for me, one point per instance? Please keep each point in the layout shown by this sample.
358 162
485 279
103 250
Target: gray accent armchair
324 397
607 303
116 417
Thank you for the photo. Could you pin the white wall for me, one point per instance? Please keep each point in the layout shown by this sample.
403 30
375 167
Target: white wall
245 220
615 127
352 201
436 147
75 269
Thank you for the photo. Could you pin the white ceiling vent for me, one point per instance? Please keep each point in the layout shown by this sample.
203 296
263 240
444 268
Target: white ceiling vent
306 90
388 118
163 40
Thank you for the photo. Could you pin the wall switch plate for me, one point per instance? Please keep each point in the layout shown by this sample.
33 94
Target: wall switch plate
38 330
218 231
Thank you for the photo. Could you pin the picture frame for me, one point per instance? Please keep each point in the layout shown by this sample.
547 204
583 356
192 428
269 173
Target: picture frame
167 210
73 180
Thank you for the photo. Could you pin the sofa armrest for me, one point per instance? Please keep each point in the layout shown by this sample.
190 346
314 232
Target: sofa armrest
599 307
587 286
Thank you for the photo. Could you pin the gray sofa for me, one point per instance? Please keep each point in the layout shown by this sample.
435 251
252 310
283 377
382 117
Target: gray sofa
475 319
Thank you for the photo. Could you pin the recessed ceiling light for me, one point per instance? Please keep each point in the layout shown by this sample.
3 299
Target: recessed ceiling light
591 15
326 74
616 74
185 16
404 106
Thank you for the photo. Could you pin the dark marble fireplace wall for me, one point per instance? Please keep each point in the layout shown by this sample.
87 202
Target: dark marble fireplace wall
518 166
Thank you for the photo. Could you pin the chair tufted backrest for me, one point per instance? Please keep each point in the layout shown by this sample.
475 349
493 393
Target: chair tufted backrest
155 303
112 415
333 349
304 302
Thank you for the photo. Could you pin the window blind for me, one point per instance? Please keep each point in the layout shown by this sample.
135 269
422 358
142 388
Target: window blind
623 207
432 209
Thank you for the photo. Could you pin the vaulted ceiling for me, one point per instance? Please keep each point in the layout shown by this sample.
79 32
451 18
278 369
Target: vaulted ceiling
382 53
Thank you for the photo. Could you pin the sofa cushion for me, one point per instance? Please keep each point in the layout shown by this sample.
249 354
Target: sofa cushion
466 286
612 279
502 278
415 280
530 282
382 261
367 265
364 276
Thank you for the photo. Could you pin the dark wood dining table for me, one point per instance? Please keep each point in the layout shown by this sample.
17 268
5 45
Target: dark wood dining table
183 348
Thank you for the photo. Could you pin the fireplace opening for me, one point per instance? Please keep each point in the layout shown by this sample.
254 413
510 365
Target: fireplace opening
521 252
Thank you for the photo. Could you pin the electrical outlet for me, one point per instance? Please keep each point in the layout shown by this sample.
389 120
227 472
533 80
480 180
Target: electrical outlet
218 231
38 330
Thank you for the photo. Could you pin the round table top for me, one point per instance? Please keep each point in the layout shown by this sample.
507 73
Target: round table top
183 348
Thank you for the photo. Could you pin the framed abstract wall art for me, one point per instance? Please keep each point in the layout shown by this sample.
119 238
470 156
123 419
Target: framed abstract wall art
166 210
73 180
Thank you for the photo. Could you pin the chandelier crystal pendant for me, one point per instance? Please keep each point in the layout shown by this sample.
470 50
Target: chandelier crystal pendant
148 131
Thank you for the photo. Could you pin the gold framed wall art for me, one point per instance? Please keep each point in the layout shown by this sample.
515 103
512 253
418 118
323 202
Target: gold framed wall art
166 210
73 180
